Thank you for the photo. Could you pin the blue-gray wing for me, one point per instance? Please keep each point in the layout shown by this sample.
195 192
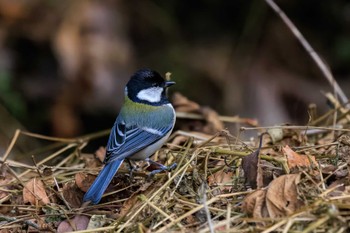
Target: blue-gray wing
126 141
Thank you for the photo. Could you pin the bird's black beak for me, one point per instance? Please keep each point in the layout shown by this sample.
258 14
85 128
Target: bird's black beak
168 83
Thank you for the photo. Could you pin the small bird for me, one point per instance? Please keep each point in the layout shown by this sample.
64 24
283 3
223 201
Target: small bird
143 125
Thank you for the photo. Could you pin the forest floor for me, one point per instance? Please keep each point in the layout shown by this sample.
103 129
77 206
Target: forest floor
286 179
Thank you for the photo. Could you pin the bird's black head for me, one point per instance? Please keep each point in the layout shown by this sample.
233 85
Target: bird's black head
148 87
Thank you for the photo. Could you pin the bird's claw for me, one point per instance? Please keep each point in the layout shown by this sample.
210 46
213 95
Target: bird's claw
162 168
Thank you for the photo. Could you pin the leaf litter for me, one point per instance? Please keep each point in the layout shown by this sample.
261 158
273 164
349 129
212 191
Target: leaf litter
285 181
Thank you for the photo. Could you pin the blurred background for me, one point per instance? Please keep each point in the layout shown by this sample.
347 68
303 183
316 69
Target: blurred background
64 64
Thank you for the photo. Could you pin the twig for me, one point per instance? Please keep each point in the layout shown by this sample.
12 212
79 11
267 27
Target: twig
227 119
13 141
296 127
323 67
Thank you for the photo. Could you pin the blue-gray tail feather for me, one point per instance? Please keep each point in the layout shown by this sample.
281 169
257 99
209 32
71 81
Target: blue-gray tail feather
95 192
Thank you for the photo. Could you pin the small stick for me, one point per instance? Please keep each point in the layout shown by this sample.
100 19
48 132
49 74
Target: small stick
13 141
323 67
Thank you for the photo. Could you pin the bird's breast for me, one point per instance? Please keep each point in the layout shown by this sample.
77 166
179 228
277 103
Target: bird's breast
149 150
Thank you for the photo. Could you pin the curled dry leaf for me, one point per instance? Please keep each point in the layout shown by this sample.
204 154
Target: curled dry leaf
278 200
295 160
34 192
252 168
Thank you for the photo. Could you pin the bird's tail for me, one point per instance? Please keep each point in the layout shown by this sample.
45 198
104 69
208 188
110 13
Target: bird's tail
96 190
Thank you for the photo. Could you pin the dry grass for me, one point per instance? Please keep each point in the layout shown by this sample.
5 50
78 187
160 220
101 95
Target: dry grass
205 193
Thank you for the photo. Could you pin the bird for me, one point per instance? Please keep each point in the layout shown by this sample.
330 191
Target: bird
144 123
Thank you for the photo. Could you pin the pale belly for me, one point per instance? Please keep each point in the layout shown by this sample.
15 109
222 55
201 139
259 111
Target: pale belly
148 151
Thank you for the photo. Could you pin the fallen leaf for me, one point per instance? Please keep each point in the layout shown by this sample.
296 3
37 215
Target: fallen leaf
279 199
254 204
250 168
252 171
101 153
296 161
34 192
80 222
84 181
221 177
72 194
282 196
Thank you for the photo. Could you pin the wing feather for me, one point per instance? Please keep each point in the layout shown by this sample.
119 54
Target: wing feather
126 141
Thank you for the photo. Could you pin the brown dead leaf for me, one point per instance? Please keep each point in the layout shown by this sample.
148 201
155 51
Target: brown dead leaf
278 200
254 204
296 161
101 153
34 192
84 181
252 168
72 194
282 196
79 222
221 177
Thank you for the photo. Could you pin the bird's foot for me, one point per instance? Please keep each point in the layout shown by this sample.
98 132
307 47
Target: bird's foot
161 167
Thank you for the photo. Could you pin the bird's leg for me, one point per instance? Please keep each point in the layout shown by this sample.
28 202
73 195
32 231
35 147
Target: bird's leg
132 168
161 167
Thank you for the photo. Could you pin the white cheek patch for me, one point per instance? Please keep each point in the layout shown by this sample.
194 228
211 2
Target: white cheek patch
152 94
